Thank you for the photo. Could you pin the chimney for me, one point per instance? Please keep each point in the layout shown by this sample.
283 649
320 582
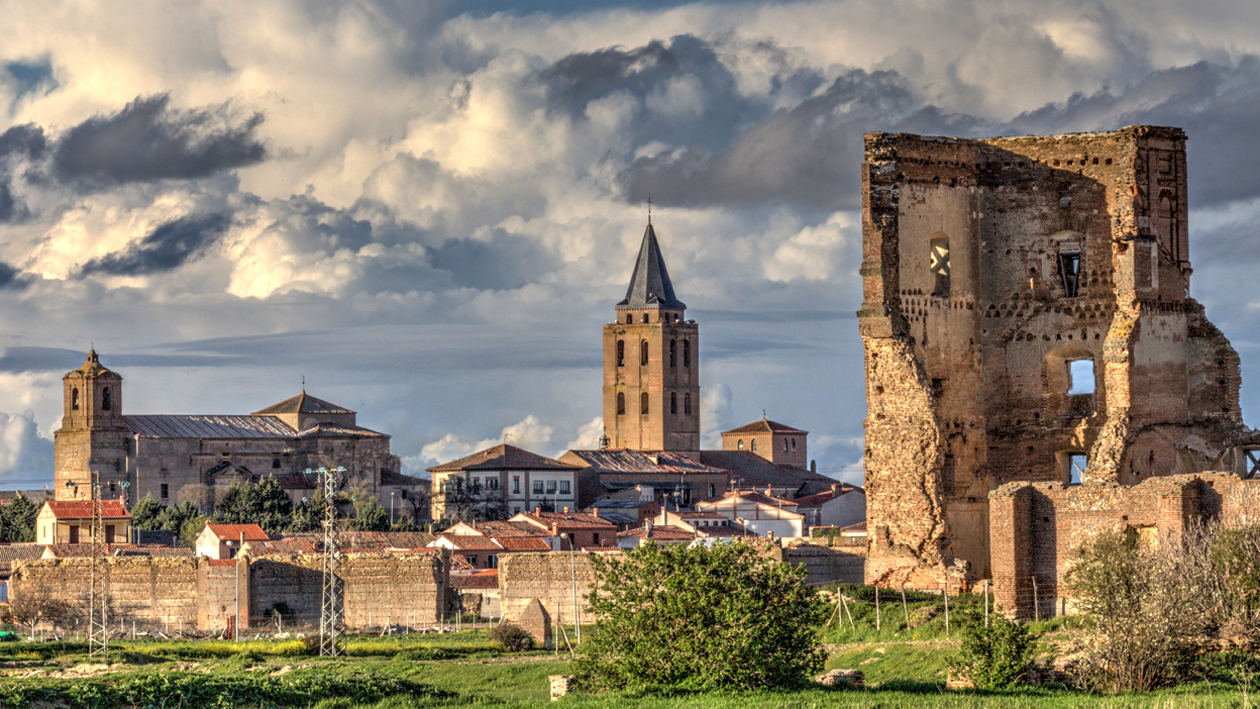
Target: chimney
813 466
538 509
596 511
647 529
565 509
769 491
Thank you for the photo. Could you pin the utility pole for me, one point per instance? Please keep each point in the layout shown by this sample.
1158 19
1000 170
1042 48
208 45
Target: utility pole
332 607
98 594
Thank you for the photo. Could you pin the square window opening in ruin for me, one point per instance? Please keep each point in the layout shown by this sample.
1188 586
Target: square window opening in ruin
1250 462
1077 463
939 265
1081 376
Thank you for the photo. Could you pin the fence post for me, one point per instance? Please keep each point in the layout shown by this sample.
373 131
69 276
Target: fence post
986 603
945 594
1036 601
877 608
904 606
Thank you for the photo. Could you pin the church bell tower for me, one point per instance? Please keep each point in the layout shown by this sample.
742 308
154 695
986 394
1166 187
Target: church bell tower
652 364
93 434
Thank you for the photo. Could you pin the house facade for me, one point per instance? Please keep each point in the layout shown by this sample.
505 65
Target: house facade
70 522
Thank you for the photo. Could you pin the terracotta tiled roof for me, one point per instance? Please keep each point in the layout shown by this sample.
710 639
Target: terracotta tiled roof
501 529
12 553
70 551
468 542
565 520
696 514
604 549
664 532
82 509
816 500
287 545
856 527
502 457
303 404
219 562
233 532
523 543
765 426
486 578
459 562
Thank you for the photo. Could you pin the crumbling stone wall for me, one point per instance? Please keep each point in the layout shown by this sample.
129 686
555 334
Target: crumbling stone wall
1035 528
548 577
989 267
155 593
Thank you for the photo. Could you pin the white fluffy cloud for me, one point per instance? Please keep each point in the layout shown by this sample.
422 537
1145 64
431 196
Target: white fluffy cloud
248 193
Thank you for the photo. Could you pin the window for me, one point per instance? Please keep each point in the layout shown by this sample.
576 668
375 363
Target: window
516 484
275 463
753 445
785 445
595 537
643 404
564 487
1077 463
739 445
621 403
107 402
629 318
492 562
538 487
621 353
939 264
1081 376
166 491
645 318
793 445
712 491
492 483
673 353
74 399
673 402
687 404
686 353
476 482
551 487
516 509
472 559
643 353
1070 268
1251 462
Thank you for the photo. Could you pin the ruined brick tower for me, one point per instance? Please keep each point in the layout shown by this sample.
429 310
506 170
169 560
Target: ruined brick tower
651 364
93 433
1027 316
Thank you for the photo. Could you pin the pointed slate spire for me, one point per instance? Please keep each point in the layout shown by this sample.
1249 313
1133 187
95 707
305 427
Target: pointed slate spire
649 284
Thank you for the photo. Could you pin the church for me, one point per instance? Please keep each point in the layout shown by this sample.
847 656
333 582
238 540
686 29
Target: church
178 458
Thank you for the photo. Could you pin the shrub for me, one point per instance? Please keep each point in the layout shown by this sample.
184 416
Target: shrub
512 637
697 617
996 657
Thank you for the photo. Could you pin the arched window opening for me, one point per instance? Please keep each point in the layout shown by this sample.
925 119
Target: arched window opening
621 404
643 353
793 445
785 445
1077 463
643 404
629 318
739 445
621 353
686 353
753 445
673 353
74 399
939 264
687 404
1081 376
107 401
1070 268
673 402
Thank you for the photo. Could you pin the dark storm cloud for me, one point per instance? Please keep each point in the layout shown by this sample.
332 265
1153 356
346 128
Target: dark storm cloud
503 262
646 73
167 247
10 277
148 140
31 77
19 146
39 359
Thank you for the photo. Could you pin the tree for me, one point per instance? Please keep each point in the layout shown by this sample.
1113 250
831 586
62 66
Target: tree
698 617
17 520
146 516
369 516
265 504
308 515
468 502
996 656
32 605
190 529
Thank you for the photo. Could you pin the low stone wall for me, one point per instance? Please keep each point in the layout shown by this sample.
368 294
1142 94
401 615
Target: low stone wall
154 593
549 577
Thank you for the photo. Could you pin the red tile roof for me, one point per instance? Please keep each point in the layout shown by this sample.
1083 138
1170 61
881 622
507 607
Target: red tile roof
663 532
233 532
219 562
565 520
288 545
523 543
765 426
469 542
486 578
502 457
82 509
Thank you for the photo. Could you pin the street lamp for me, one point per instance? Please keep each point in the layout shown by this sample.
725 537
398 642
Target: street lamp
391 507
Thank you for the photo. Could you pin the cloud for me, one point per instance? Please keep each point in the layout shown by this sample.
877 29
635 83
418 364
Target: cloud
589 435
26 459
167 247
528 433
148 140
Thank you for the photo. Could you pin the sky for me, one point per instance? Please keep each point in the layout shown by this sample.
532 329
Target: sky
428 209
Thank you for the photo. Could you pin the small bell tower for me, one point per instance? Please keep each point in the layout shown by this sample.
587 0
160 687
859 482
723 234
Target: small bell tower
93 433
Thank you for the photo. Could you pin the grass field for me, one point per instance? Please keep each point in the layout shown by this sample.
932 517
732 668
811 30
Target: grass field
903 667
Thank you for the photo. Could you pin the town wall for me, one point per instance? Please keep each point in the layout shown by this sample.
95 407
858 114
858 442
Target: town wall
549 577
155 593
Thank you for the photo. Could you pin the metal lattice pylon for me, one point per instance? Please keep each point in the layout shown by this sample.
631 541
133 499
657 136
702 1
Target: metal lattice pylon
98 622
331 610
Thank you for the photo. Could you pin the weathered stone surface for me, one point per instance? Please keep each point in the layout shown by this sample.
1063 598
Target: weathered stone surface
535 620
989 268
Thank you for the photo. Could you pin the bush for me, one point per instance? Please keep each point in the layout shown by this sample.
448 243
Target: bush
512 637
696 617
996 657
